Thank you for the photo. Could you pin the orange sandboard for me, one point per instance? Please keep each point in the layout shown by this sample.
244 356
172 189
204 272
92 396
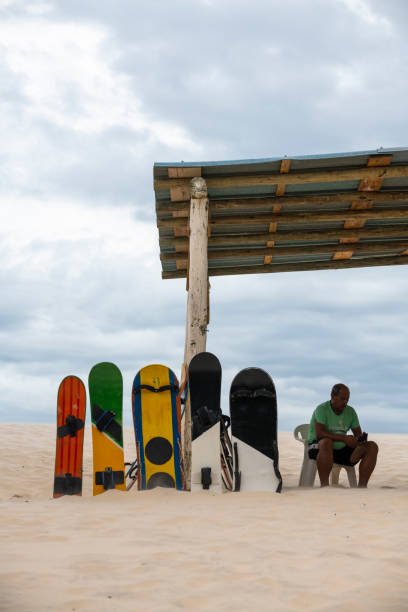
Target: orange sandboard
71 406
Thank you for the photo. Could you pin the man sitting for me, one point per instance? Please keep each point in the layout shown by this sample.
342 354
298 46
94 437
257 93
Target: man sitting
330 443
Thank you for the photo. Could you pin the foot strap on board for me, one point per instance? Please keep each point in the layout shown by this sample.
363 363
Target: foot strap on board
67 485
253 393
109 479
203 419
104 421
172 387
72 425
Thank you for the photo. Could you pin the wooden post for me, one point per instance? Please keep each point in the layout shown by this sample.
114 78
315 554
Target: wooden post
197 298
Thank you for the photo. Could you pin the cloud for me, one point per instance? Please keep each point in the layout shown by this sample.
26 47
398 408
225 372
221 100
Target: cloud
93 94
66 82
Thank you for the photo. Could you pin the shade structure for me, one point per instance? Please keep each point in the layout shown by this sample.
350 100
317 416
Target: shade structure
312 212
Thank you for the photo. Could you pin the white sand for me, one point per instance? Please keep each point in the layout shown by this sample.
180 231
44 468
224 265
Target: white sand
306 549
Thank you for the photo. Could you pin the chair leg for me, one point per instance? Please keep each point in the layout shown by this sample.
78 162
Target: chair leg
351 474
335 474
352 478
308 471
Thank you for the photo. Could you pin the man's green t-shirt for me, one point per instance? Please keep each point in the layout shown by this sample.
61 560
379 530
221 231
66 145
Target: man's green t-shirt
335 423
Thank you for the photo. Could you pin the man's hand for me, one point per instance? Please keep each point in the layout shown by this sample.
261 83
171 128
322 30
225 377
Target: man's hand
351 441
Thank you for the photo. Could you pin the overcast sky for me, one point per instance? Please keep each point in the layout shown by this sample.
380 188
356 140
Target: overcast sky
92 94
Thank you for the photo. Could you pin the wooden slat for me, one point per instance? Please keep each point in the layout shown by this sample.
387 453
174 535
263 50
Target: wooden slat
177 214
370 184
184 172
280 190
299 178
285 166
313 266
180 231
268 259
351 217
388 232
307 201
354 223
357 205
336 251
343 255
179 193
379 160
346 240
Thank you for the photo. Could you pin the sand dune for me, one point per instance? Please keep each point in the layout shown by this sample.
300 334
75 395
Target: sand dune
306 549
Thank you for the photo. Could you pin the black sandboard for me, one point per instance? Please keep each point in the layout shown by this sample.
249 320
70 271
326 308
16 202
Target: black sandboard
204 380
253 410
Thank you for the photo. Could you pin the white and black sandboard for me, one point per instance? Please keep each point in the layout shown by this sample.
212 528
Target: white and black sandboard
204 383
253 410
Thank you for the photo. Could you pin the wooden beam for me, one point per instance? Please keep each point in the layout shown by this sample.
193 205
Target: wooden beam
392 248
379 160
298 178
184 172
179 193
354 223
296 218
370 184
285 166
392 232
197 300
266 204
342 255
398 260
358 205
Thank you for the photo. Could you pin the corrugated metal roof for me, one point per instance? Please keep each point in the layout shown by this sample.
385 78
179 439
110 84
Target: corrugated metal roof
284 214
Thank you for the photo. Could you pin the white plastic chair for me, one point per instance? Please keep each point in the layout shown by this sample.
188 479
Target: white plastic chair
309 467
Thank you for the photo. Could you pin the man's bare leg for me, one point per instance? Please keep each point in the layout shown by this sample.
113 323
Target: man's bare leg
367 452
324 461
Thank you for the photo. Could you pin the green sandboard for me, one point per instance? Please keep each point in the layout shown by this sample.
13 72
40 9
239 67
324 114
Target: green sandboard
106 398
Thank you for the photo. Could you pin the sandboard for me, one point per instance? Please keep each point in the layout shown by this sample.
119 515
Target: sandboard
253 410
71 406
156 419
209 448
106 396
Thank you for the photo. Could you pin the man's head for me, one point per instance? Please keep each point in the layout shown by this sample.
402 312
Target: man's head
340 395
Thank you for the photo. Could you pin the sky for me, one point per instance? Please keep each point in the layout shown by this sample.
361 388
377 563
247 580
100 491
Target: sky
92 94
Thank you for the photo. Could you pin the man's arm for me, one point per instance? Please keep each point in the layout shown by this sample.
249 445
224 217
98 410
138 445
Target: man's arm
322 432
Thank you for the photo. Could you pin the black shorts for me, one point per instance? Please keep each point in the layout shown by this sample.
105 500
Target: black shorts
340 455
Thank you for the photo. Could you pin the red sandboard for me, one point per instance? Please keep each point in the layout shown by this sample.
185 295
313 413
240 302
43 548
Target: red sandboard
71 405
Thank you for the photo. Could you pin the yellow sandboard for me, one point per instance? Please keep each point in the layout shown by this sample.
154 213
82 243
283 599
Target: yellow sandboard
156 418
